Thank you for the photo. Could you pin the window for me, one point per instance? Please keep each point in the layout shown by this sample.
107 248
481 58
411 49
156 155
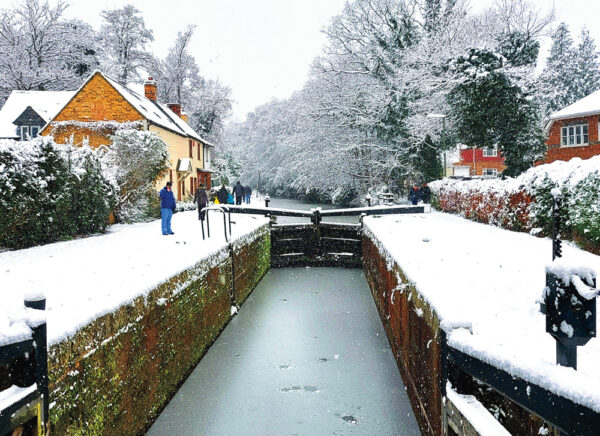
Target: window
490 152
490 172
573 136
24 133
191 148
34 131
199 156
191 185
171 176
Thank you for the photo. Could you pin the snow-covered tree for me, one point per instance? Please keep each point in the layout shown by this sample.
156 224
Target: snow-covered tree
123 39
135 159
41 50
587 68
558 76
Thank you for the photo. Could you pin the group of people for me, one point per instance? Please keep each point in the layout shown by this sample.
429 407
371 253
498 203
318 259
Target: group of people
423 193
222 196
241 193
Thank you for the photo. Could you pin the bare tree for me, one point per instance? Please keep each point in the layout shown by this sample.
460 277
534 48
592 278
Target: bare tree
41 50
124 38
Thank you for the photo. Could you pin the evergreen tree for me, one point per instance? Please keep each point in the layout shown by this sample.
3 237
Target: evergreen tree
493 110
558 77
587 69
429 162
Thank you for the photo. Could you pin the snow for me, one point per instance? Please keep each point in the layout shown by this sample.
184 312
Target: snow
588 105
489 279
45 103
13 394
475 412
89 277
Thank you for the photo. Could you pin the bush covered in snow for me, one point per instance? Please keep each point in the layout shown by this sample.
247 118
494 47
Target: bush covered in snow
135 159
525 203
50 192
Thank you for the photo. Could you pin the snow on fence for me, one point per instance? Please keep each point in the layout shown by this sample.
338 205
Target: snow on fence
525 203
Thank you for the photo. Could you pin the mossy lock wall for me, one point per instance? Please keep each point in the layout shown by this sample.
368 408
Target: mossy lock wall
116 374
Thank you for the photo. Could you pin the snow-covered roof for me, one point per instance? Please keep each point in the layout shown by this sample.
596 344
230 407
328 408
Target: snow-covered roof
588 105
46 103
155 112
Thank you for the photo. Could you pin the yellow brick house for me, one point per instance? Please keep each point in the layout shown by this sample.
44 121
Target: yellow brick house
101 105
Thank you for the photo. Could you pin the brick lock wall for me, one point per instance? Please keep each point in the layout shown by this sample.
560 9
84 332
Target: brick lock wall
97 101
556 152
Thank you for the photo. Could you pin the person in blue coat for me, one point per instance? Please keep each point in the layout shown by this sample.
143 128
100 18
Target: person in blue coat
167 208
413 195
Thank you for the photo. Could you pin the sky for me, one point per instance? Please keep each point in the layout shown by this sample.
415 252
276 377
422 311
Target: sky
263 49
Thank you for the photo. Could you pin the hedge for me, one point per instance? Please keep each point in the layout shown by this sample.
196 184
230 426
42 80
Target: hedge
525 203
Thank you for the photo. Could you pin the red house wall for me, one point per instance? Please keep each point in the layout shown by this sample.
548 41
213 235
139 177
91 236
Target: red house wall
556 152
480 162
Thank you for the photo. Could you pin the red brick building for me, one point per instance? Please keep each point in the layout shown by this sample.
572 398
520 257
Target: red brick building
573 131
479 162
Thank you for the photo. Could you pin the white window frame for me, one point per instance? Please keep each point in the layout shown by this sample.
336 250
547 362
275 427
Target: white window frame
494 172
24 133
571 134
493 153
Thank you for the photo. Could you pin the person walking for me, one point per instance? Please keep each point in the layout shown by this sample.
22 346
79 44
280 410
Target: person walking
425 193
222 195
413 195
247 193
238 191
201 199
167 208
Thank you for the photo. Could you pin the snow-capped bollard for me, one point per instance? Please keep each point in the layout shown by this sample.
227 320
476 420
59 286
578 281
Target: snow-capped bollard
570 298
368 198
267 200
35 301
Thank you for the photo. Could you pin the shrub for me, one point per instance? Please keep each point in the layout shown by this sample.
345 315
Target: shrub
135 159
50 192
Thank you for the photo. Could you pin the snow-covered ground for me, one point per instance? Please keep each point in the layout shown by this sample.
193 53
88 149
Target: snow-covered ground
490 278
86 278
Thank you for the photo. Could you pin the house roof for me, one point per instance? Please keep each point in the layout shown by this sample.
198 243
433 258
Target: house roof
45 103
588 105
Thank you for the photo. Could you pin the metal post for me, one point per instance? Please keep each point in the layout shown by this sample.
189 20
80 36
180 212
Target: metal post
556 221
207 224
202 224
41 359
566 355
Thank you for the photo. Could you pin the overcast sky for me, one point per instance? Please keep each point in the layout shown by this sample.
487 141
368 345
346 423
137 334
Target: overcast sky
263 49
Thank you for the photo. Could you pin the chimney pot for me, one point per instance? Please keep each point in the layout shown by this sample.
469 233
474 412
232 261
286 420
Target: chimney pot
150 89
176 108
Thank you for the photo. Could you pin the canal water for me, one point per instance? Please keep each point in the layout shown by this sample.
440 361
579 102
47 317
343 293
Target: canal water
306 355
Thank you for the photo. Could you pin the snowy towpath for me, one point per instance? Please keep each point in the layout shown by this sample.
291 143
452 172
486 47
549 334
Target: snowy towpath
490 278
86 278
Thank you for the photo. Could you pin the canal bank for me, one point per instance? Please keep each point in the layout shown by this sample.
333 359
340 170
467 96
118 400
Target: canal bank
307 354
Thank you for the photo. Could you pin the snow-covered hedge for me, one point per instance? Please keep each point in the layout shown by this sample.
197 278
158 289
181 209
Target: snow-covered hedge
525 203
50 192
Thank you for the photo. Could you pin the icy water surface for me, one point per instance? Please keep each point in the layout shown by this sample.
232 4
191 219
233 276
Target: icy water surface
306 355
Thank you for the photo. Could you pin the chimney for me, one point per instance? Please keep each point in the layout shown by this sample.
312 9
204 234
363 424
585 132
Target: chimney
184 116
175 107
150 89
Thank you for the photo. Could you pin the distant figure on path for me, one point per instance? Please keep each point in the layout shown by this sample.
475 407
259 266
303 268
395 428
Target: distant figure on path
167 208
413 195
201 199
247 193
222 195
425 193
238 191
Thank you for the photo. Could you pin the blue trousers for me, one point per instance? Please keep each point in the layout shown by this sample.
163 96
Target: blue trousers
166 215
